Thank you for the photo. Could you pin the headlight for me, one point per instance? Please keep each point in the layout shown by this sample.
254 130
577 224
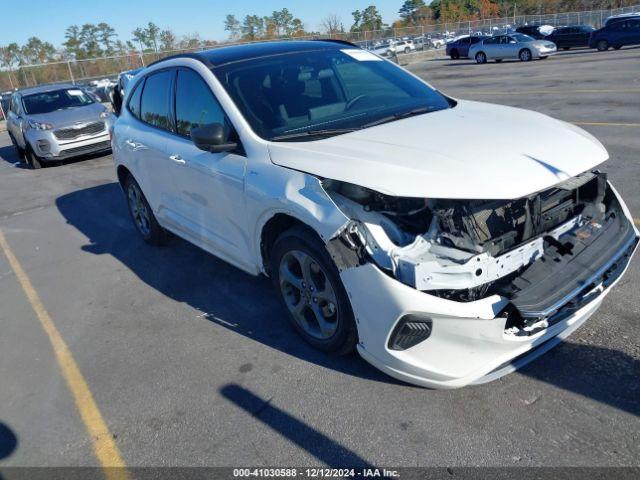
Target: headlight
105 114
40 125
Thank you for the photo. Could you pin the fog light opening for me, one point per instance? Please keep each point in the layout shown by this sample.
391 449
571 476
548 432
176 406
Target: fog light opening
410 331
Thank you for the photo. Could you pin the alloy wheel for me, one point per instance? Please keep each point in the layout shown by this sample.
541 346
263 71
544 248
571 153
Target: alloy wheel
308 294
139 210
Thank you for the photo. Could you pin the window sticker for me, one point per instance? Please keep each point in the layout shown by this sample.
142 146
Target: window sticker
361 55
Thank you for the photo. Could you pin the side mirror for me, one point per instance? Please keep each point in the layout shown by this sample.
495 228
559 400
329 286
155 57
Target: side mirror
212 138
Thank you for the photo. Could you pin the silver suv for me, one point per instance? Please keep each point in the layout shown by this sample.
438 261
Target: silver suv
55 122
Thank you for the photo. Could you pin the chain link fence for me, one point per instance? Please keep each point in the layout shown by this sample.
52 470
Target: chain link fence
82 71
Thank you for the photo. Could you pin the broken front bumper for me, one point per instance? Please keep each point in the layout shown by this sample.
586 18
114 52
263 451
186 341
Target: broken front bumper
468 341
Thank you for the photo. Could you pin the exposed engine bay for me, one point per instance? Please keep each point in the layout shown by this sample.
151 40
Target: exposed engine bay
465 250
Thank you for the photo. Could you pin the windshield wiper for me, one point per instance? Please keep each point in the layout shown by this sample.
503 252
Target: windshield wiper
399 116
313 133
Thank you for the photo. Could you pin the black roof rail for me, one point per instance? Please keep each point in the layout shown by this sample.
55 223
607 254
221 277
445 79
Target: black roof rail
195 56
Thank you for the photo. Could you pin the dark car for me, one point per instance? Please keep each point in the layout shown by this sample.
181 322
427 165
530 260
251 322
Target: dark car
572 36
533 31
460 47
5 99
616 35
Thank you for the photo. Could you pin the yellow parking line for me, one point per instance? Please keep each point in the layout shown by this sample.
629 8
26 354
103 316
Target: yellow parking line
103 444
608 124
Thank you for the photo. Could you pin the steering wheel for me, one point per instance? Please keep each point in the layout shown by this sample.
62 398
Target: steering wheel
353 101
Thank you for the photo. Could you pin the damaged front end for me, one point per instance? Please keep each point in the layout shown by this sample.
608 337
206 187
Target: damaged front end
546 254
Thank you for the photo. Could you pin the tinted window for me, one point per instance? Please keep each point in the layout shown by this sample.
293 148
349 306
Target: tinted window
475 40
634 24
154 106
195 104
134 100
492 41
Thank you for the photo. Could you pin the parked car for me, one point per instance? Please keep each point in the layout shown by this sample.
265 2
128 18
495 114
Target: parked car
515 46
537 32
55 122
616 35
460 47
570 37
403 46
5 101
444 260
437 42
622 16
383 50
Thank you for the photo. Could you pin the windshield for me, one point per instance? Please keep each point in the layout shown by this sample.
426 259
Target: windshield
289 95
48 102
521 37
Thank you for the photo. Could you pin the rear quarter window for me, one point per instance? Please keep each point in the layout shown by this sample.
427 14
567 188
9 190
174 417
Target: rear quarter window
134 100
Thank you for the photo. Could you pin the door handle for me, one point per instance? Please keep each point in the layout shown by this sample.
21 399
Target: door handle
178 159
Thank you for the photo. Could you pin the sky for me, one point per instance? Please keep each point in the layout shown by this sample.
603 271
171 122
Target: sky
48 19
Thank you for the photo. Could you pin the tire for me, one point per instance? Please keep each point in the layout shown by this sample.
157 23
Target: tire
19 151
407 50
142 215
481 57
301 269
455 55
524 55
32 159
602 45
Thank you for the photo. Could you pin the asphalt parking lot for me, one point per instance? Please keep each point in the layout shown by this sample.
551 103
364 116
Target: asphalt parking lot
192 362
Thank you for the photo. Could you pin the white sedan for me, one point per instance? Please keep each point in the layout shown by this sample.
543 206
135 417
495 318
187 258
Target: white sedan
512 46
334 172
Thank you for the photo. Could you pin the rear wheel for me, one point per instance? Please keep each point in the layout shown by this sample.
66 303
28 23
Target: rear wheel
19 150
407 50
481 57
311 291
455 55
142 215
524 55
602 45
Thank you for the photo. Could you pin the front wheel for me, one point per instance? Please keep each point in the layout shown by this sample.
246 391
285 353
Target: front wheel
32 159
524 55
455 55
481 57
311 291
602 45
142 215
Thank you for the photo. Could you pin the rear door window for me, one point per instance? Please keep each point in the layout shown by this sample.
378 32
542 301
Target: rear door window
155 105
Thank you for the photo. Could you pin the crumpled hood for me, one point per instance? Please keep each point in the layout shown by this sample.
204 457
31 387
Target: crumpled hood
70 116
473 151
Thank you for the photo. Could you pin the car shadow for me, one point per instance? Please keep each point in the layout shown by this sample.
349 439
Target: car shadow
8 441
228 297
8 154
602 374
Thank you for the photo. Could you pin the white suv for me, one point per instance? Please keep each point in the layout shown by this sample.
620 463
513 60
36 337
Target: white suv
333 171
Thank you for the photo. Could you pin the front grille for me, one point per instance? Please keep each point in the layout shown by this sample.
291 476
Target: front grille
93 147
71 133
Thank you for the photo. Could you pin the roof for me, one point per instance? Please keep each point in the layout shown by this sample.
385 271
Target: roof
236 53
45 88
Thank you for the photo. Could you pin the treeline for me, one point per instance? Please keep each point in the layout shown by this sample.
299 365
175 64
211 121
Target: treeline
90 41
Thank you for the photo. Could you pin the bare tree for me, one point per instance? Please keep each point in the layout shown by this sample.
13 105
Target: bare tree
332 24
